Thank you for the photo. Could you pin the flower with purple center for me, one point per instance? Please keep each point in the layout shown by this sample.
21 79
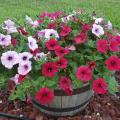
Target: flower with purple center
9 59
50 32
24 69
5 40
97 30
10 26
24 57
41 55
32 43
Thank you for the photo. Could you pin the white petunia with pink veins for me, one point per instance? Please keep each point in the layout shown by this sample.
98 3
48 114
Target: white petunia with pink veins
9 59
24 69
24 57
5 40
32 43
97 30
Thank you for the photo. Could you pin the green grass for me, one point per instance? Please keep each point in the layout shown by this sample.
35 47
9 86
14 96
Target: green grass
19 8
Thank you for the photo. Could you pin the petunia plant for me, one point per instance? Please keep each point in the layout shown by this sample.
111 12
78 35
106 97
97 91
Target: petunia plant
58 51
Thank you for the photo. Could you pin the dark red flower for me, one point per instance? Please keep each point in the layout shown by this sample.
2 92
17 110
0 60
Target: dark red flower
85 27
52 44
113 63
91 64
44 96
51 25
100 86
65 30
61 52
21 78
81 38
40 21
84 73
23 31
62 63
14 42
11 85
49 69
102 46
34 52
66 85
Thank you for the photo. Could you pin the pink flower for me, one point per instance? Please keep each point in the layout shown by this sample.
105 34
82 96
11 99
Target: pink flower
81 38
65 31
49 69
62 63
102 46
52 44
113 63
114 45
44 96
24 57
84 73
66 85
5 40
9 59
24 69
61 52
100 86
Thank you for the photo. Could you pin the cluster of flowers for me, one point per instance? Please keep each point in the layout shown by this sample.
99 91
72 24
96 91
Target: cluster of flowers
58 43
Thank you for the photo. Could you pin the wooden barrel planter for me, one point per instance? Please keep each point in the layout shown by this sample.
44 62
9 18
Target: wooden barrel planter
64 105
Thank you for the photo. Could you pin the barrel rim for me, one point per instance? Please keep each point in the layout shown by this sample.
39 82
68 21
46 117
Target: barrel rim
59 92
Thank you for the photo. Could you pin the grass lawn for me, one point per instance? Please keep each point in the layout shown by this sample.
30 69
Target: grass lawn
19 8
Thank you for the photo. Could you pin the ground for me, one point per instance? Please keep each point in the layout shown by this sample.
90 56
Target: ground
19 8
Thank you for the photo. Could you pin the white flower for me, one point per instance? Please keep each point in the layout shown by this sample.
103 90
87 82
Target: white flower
32 43
24 57
40 55
10 26
109 25
9 23
35 23
97 30
31 22
5 40
41 33
64 19
50 32
9 59
15 79
24 68
98 20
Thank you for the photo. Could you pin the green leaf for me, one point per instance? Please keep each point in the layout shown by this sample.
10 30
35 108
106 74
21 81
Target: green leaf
112 85
76 83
